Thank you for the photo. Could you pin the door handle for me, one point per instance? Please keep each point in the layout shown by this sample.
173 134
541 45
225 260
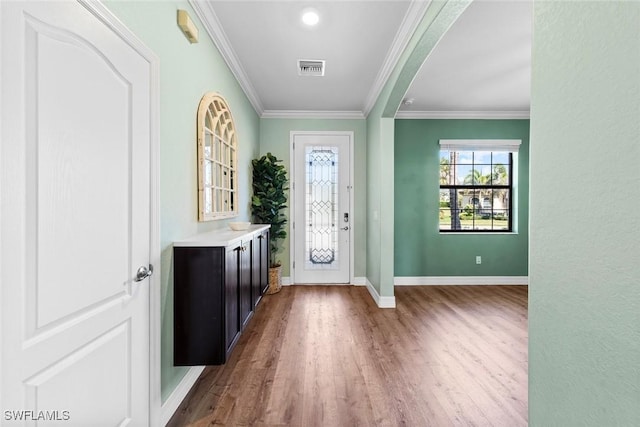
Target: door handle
143 272
345 228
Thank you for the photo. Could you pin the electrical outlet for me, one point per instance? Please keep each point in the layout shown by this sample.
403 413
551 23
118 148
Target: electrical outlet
478 259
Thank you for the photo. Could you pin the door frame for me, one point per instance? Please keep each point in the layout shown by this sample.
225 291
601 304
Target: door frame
103 14
292 174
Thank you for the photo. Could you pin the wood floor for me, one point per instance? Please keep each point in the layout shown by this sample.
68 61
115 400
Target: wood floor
327 356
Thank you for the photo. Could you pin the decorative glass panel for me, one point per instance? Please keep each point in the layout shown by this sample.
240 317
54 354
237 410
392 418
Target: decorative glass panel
208 138
207 195
208 173
321 204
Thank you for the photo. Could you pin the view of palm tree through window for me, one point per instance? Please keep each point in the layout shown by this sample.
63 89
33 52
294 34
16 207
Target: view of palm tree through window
475 190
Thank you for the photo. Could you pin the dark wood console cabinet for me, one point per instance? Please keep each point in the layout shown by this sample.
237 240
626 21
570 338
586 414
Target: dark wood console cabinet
219 279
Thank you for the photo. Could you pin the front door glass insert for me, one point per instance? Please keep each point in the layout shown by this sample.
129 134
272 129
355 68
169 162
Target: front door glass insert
321 207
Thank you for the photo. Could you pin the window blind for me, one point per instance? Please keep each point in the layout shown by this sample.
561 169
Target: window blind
510 145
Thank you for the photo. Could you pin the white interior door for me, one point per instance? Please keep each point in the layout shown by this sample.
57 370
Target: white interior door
75 219
322 214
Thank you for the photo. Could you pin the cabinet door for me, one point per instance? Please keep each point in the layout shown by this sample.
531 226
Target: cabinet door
256 279
265 250
244 277
199 334
232 308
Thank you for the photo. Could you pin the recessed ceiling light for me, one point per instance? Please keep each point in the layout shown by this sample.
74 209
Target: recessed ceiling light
310 17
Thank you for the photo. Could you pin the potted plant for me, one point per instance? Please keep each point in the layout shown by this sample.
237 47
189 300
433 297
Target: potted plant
268 200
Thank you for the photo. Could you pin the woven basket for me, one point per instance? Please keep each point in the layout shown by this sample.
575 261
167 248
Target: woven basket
275 280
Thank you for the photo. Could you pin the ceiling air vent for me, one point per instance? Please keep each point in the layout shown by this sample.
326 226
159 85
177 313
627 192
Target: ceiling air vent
308 67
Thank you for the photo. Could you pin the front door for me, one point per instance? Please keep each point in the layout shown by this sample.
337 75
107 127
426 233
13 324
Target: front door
322 214
74 219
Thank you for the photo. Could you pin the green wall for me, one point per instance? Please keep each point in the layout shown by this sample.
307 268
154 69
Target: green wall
275 137
584 292
187 71
421 250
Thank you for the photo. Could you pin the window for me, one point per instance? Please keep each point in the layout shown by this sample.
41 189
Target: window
217 160
476 185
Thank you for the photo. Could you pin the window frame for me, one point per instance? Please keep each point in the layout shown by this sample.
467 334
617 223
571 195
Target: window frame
493 146
217 165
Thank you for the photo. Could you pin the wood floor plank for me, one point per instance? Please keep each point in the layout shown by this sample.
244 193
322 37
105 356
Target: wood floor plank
328 356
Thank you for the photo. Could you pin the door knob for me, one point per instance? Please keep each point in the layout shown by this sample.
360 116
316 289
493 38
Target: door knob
345 228
143 272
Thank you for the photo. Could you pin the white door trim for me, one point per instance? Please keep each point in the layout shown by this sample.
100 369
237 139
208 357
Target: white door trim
292 246
100 11
1 176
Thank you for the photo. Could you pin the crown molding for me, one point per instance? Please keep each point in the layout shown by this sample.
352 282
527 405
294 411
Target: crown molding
410 22
311 114
485 115
212 25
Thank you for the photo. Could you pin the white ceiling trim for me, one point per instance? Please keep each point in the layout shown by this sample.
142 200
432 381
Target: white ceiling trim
309 114
486 115
410 22
209 19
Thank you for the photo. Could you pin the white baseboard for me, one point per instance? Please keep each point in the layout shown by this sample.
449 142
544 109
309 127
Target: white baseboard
359 281
459 280
179 393
316 284
382 302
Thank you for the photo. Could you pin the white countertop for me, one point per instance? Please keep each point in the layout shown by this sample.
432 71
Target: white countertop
222 237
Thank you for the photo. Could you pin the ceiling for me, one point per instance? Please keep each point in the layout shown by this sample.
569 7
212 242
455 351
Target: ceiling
481 67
